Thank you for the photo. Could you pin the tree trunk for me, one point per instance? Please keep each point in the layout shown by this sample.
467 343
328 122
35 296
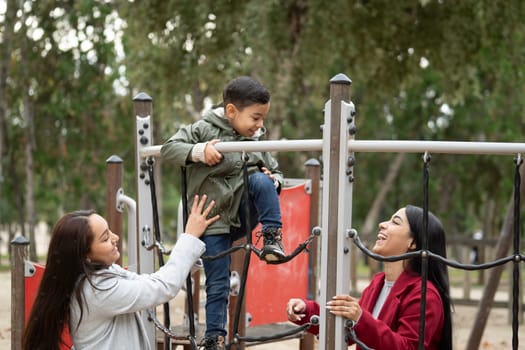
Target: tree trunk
488 219
505 240
17 192
28 115
4 72
29 171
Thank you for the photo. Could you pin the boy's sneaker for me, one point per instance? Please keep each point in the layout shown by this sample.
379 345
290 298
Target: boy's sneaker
213 343
273 247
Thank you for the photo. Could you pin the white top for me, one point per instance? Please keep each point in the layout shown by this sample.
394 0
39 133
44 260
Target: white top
111 318
387 287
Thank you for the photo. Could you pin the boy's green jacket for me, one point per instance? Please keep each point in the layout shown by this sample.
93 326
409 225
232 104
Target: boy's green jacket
222 182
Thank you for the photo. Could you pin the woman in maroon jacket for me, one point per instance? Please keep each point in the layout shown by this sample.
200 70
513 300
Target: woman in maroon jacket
387 315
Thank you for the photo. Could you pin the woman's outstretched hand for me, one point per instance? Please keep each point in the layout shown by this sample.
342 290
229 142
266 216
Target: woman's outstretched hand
295 309
198 219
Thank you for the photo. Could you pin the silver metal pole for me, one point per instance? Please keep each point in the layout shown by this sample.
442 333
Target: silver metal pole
131 206
146 260
387 146
144 211
451 147
256 146
336 194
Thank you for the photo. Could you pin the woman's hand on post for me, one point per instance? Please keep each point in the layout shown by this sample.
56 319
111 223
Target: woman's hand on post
198 219
345 306
295 309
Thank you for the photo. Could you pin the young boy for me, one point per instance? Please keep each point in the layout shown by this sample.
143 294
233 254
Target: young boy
220 176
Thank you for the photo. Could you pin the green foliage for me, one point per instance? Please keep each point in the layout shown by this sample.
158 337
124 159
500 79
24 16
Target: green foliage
421 70
78 117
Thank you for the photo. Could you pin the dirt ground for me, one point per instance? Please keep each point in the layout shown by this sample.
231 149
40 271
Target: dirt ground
497 335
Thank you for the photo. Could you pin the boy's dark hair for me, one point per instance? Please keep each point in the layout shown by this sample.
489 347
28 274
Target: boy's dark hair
245 91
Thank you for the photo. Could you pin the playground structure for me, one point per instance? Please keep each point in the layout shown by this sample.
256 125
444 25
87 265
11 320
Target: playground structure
338 147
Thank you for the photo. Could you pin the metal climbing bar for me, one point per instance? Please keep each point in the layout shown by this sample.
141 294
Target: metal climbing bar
366 146
248 246
191 309
350 335
353 235
157 235
151 241
337 146
314 321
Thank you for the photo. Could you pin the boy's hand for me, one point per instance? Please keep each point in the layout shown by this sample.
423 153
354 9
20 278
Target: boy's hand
211 155
269 173
271 176
197 221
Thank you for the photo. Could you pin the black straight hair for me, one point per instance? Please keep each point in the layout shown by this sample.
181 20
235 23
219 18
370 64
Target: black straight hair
437 271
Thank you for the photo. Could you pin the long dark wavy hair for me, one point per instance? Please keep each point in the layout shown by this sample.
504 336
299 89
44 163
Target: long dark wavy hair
437 271
66 264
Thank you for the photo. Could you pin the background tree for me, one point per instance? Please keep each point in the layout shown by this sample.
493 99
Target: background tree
421 70
62 69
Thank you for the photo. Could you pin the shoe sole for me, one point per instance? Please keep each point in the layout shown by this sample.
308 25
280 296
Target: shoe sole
272 255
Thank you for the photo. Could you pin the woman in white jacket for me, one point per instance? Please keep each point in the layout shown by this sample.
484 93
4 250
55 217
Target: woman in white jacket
83 289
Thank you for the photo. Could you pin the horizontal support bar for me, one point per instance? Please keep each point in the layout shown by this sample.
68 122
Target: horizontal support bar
150 151
253 146
451 147
385 146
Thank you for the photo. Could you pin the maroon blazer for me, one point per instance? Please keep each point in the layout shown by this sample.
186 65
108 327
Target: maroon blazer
397 326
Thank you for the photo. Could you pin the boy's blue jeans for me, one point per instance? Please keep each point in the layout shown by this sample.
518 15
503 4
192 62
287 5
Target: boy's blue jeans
264 208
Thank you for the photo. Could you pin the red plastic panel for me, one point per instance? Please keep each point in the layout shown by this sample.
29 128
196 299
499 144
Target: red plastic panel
31 287
269 287
31 290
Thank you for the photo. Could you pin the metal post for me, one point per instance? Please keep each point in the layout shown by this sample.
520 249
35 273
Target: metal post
18 257
335 186
143 109
237 265
131 206
113 185
116 201
313 173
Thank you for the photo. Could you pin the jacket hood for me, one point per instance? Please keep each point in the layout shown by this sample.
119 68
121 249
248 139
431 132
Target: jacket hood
216 117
